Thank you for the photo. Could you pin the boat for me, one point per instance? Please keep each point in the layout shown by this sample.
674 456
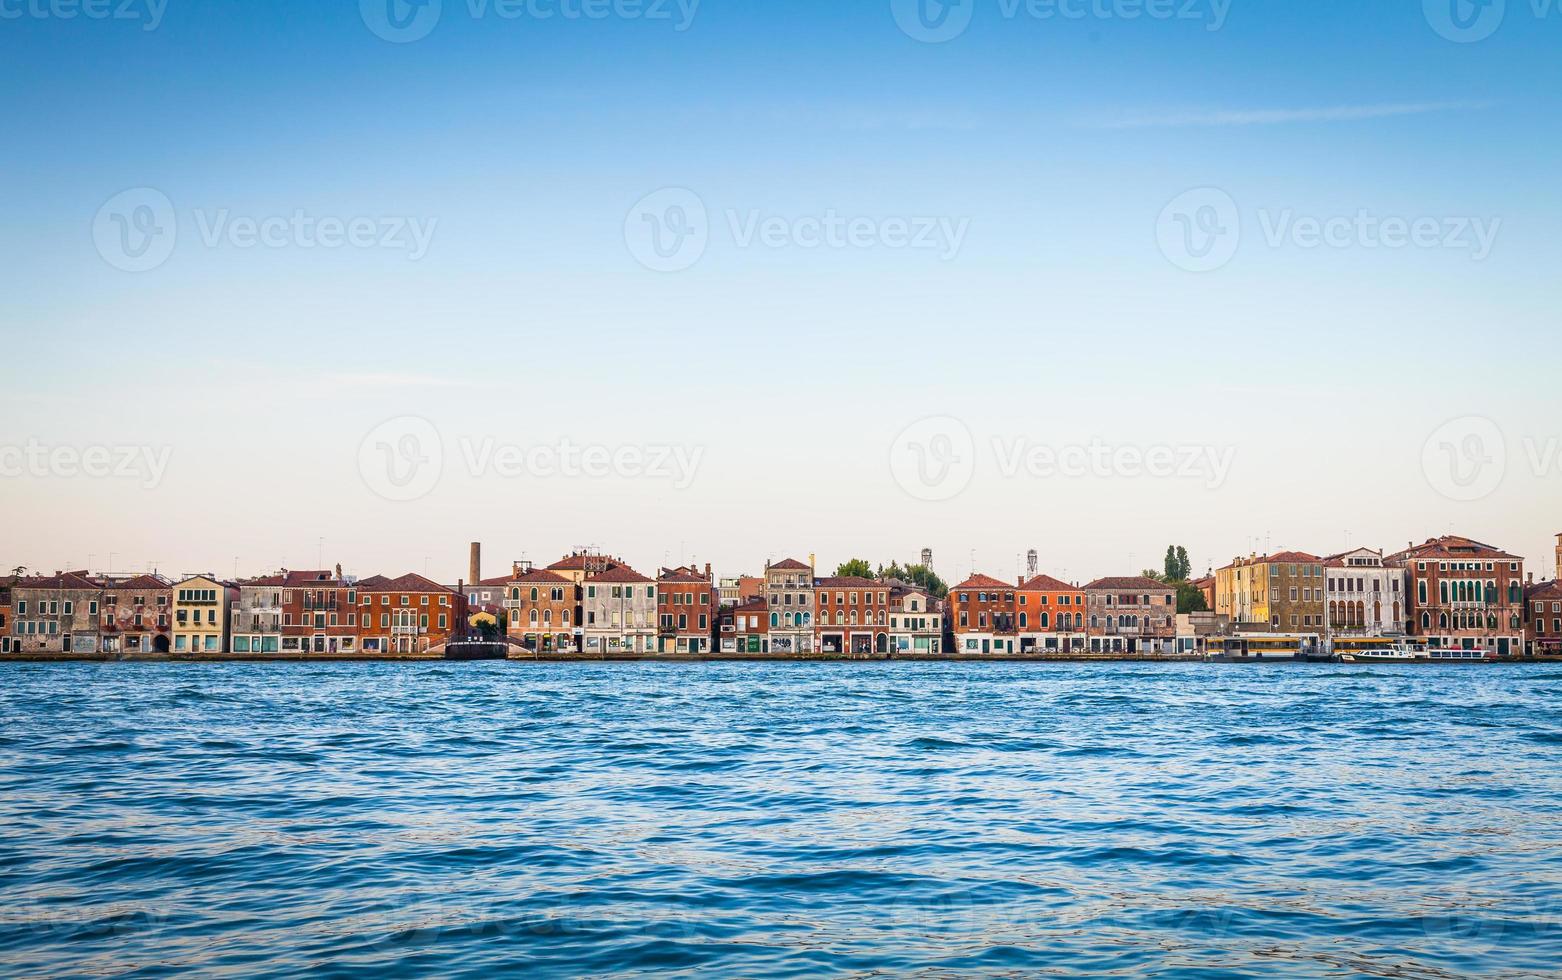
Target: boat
1262 648
1382 655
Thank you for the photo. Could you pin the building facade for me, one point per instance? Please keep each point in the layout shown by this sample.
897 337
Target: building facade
982 617
916 623
1543 619
7 641
201 607
255 621
319 613
748 627
56 614
686 604
1049 615
1462 594
408 615
1363 596
136 615
543 611
1133 614
1285 592
789 593
620 610
851 616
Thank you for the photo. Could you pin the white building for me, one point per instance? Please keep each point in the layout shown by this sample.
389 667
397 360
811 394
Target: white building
1363 596
789 593
619 609
916 626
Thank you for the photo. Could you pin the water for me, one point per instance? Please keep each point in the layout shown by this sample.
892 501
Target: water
780 820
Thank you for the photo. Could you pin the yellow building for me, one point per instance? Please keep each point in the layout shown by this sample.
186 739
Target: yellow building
200 614
1284 592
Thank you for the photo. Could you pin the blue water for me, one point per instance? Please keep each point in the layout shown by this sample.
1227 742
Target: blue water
780 820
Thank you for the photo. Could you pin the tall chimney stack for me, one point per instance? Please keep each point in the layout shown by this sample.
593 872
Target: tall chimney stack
474 567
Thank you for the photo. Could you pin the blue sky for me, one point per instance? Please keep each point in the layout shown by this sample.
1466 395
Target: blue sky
525 144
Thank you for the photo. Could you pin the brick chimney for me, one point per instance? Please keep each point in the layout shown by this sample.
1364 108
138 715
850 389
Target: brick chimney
474 567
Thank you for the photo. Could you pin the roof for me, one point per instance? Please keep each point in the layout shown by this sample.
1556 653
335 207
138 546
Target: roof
142 582
676 576
77 581
1549 590
791 565
538 576
1451 546
411 582
980 581
493 583
1046 583
583 562
1278 558
1133 583
847 582
618 573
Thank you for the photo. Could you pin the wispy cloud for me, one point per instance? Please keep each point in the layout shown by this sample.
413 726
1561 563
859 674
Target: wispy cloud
1274 117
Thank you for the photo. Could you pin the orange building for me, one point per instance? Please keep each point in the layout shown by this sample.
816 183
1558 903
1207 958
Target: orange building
410 614
543 611
1049 615
851 615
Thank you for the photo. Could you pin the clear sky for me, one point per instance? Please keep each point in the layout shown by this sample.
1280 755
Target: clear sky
978 215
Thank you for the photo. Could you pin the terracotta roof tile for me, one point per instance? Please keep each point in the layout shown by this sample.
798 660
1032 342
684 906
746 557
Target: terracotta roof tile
980 581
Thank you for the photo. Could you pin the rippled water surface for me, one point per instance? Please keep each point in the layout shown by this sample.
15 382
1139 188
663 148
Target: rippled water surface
786 819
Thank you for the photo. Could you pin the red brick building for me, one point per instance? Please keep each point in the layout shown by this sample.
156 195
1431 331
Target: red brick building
1543 619
1131 614
543 609
1464 595
685 610
410 614
851 615
5 614
982 616
748 627
319 613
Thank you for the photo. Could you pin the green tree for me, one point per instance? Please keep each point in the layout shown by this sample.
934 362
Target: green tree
1190 598
1170 564
856 568
1184 566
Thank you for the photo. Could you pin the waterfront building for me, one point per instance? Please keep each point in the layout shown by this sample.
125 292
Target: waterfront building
748 627
1363 596
1462 594
1132 614
255 621
685 610
1543 619
6 639
1049 615
982 616
319 613
1206 586
56 614
1283 593
136 614
740 588
408 615
620 610
916 622
543 611
201 608
489 595
789 594
851 615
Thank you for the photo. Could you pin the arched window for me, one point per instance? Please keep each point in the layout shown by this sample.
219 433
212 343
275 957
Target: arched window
1442 620
534 593
1426 621
1043 620
547 617
534 617
775 620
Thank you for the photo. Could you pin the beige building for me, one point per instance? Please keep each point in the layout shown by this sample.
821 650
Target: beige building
789 594
619 612
201 610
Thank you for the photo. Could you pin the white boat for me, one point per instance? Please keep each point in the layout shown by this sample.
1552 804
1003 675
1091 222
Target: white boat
1383 655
